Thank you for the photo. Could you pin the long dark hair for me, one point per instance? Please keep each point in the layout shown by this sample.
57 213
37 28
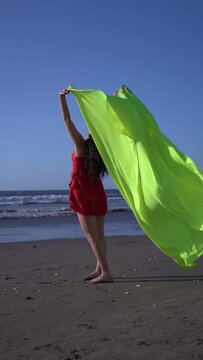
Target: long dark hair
94 164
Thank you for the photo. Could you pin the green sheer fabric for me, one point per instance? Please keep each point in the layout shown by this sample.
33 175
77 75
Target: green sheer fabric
162 186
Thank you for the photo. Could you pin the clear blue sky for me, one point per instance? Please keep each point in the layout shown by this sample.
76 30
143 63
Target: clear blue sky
155 47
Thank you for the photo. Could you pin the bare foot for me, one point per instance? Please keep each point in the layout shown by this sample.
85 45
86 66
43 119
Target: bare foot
102 279
93 275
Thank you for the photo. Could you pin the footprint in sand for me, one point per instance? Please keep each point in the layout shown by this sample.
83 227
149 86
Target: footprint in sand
106 339
29 298
9 278
143 343
38 347
87 326
53 346
48 346
200 342
74 353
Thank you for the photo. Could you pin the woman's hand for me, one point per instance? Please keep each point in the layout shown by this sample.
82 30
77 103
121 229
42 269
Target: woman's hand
64 92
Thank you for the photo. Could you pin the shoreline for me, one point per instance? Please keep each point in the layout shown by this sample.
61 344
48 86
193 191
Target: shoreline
38 242
151 310
17 230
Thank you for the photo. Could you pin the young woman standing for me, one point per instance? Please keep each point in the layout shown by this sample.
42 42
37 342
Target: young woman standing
87 197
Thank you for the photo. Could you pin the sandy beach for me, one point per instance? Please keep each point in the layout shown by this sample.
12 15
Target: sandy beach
152 310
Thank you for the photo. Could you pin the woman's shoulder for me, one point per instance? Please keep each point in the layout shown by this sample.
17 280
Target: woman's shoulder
79 151
76 157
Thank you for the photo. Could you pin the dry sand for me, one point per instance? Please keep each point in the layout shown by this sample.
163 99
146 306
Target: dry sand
152 310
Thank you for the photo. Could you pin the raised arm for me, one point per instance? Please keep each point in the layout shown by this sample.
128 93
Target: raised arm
76 137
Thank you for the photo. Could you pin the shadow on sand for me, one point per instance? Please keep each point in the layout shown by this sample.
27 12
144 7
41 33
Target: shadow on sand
158 278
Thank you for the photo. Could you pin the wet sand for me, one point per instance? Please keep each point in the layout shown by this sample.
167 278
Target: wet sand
152 310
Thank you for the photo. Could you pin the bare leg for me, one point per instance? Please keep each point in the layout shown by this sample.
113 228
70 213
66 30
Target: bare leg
100 225
100 228
90 227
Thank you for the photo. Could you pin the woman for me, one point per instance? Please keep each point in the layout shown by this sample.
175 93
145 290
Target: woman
87 197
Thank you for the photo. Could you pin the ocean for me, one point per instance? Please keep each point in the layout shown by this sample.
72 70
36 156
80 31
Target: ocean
46 203
45 214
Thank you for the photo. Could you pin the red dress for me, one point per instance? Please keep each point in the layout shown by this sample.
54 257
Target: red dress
87 196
